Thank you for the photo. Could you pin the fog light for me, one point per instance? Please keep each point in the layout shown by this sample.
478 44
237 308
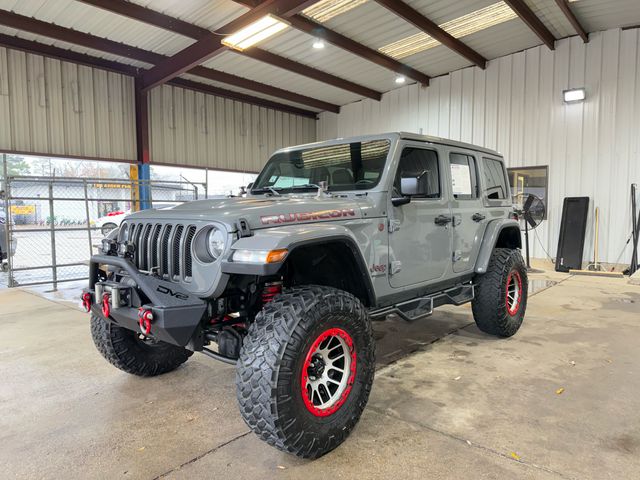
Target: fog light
108 246
126 249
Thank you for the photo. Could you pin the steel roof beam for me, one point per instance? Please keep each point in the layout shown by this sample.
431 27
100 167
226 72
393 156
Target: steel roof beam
534 23
57 32
573 20
211 44
422 23
175 25
306 25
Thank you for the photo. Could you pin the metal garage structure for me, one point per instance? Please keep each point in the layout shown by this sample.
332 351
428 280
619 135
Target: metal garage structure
152 80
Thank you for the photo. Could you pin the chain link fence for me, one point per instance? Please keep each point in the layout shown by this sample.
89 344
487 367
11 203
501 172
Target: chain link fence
52 225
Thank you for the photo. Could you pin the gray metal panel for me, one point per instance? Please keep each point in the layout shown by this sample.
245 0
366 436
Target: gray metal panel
199 130
53 107
515 106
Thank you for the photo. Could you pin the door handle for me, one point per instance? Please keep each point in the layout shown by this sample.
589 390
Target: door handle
478 217
443 220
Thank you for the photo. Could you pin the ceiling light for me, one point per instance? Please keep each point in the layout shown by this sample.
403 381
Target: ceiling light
255 32
327 9
318 44
458 27
400 79
574 95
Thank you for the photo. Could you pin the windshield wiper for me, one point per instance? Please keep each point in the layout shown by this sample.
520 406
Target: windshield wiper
306 186
271 190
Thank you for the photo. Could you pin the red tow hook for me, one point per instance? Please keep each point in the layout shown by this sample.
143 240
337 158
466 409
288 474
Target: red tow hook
106 305
86 301
145 317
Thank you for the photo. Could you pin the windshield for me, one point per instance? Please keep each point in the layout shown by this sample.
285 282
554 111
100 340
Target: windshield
348 166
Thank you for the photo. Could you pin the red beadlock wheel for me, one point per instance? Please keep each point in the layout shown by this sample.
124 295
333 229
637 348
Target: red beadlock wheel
513 295
328 372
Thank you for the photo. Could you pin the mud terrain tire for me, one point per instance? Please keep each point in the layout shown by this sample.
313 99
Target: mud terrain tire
125 350
501 294
283 344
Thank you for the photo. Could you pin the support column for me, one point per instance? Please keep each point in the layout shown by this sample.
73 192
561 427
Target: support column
142 141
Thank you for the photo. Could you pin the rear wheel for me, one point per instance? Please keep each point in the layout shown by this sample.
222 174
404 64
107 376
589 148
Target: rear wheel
501 294
305 370
134 353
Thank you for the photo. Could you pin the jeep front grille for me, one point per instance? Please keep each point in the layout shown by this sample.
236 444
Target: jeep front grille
163 248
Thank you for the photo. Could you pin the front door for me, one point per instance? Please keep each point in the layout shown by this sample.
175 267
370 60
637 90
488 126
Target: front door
469 217
420 236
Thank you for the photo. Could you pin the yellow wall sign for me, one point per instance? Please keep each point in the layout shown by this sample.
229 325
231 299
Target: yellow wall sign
23 209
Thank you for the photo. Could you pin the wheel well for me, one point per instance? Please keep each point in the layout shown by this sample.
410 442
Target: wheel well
509 238
332 264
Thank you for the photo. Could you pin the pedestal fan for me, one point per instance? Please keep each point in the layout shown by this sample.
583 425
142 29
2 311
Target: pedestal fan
531 211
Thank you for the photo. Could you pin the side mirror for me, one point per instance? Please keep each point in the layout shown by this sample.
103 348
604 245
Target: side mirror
399 201
409 186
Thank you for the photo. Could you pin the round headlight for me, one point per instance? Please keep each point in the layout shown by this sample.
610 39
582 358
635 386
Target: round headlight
215 243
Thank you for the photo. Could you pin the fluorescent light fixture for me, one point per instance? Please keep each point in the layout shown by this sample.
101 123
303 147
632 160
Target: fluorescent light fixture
400 79
255 32
318 44
574 95
458 27
327 9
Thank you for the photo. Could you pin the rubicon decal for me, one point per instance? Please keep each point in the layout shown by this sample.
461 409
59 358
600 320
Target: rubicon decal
306 216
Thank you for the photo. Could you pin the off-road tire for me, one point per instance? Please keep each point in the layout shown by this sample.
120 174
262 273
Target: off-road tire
124 350
108 228
271 361
490 305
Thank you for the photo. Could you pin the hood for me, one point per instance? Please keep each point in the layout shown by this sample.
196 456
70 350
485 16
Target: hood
260 212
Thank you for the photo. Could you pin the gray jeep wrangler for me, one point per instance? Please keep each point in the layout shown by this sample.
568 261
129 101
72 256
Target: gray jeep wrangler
284 282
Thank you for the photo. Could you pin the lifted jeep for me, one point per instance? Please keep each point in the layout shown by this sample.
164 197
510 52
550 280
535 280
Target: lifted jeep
284 282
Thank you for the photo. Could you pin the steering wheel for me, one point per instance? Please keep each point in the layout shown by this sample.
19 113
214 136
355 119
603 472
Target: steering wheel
364 181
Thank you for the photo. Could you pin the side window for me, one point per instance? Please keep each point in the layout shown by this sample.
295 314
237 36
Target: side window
464 183
418 173
495 182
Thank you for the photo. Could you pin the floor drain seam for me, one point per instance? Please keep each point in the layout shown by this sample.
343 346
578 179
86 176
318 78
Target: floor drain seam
472 444
202 455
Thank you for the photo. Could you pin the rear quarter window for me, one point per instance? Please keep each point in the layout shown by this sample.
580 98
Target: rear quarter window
495 180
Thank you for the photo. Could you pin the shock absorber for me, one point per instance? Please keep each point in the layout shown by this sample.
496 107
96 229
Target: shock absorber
270 290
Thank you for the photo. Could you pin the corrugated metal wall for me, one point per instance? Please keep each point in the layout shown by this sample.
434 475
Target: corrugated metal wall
194 129
60 108
50 107
515 106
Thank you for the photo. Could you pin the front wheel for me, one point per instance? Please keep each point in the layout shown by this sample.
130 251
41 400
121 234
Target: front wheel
305 370
501 294
133 353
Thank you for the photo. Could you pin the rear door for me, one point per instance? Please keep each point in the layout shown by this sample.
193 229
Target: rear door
469 217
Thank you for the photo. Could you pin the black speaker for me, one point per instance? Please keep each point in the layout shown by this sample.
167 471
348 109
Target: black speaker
572 231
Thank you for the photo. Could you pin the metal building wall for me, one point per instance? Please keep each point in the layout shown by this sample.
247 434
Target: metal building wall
193 129
59 108
52 107
515 106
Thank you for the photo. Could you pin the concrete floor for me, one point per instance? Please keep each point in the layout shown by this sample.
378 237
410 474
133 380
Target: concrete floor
448 401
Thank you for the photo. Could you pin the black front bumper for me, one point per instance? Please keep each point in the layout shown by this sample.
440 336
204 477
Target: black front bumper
177 314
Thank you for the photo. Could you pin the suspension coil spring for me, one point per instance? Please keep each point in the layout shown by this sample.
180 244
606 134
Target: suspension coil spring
270 290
